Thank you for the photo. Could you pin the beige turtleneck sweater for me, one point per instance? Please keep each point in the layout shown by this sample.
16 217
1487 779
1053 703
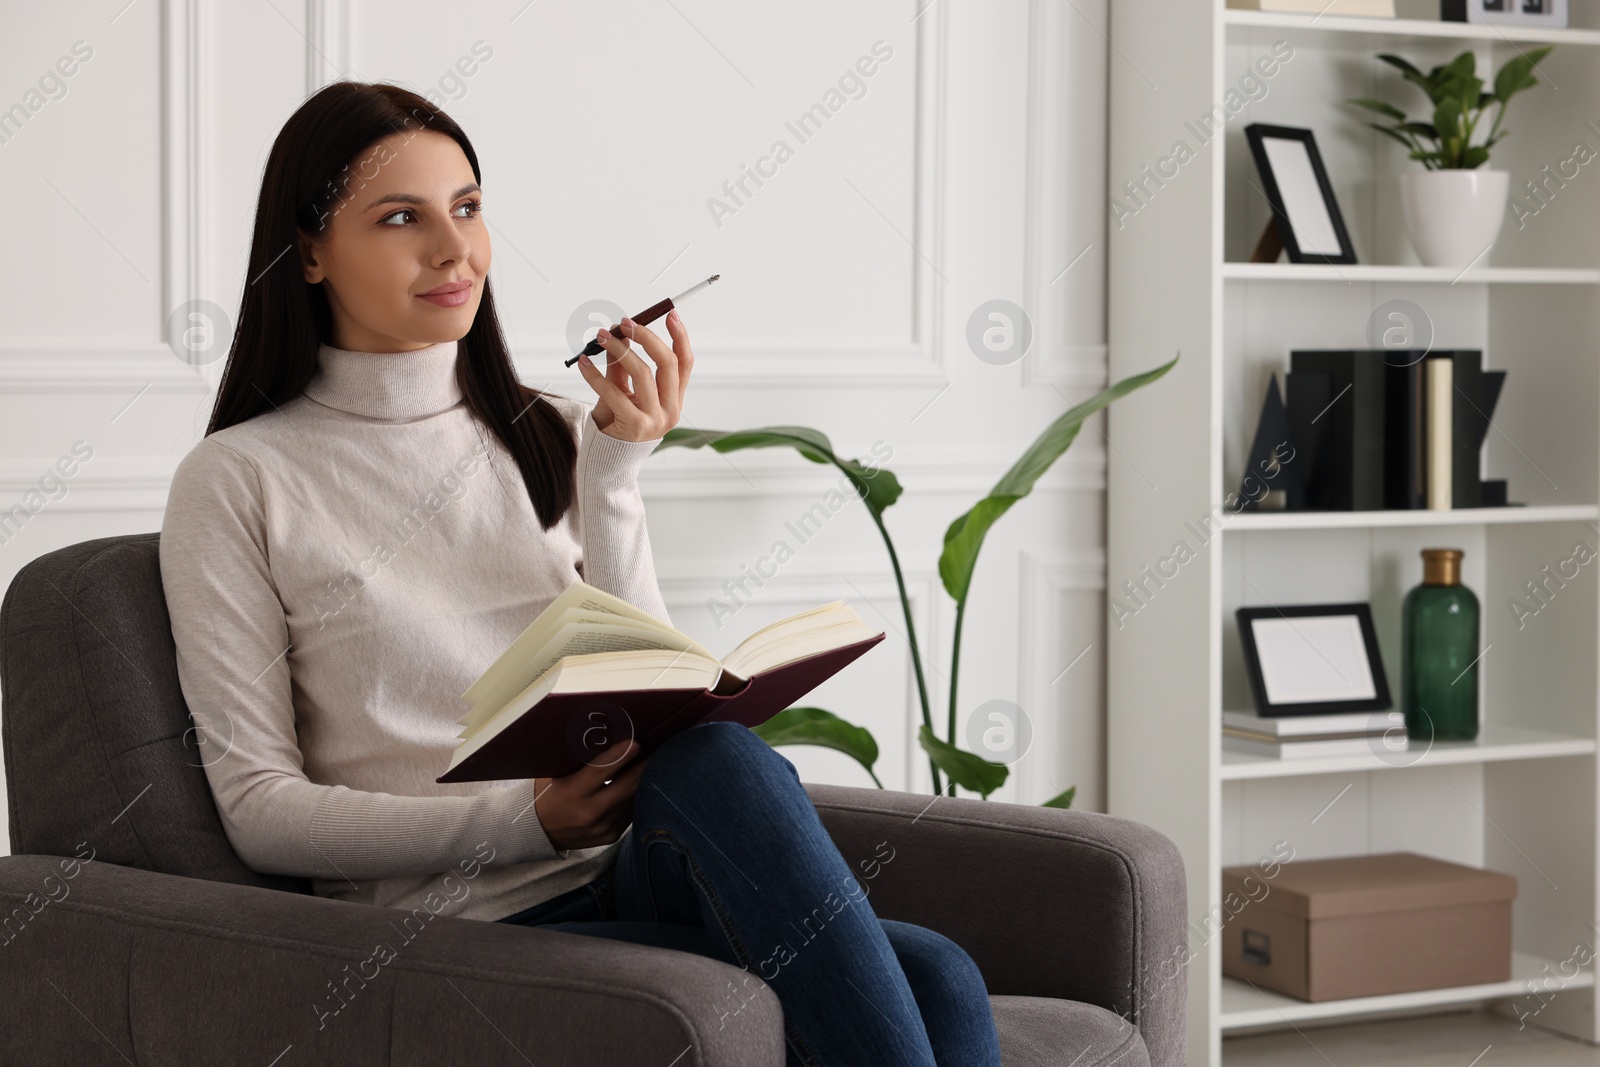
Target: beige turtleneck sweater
338 571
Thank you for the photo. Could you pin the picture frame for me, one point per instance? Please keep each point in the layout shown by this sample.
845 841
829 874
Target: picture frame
1307 216
1313 659
1550 14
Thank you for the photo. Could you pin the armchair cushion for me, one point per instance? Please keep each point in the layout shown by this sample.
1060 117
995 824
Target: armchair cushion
1046 1031
1069 905
116 965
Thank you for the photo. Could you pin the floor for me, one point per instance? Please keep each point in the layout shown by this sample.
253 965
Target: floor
1462 1039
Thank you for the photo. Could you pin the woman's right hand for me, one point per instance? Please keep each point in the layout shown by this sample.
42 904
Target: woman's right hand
580 810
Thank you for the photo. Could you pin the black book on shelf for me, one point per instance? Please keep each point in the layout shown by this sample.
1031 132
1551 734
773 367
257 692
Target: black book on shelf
1468 426
1405 430
1348 449
1406 427
1306 395
1360 416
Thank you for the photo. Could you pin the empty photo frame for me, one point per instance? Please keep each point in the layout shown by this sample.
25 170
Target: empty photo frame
1313 659
1296 185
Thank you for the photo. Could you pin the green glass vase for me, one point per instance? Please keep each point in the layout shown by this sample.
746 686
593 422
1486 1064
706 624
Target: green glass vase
1439 652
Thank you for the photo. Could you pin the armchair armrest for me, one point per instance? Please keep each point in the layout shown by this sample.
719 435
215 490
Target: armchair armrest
112 965
1049 903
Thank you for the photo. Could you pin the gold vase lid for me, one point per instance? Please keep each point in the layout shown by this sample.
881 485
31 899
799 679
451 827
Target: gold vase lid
1441 566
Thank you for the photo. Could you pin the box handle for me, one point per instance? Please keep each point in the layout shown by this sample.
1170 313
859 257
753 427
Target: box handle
1257 948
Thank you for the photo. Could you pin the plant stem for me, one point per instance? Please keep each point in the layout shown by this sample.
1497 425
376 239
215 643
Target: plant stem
911 635
955 666
1499 113
1466 138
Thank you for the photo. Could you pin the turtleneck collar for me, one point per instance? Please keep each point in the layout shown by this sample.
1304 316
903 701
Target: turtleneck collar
387 385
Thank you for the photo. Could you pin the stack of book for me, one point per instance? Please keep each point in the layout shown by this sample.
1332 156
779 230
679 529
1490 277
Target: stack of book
1310 736
1395 428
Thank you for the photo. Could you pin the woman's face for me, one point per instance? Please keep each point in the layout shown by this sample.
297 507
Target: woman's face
408 223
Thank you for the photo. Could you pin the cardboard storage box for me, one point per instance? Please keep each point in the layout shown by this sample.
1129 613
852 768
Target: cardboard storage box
1362 926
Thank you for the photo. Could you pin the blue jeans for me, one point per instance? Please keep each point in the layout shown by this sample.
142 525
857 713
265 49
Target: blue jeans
727 858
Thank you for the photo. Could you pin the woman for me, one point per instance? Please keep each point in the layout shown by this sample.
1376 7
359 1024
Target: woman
350 545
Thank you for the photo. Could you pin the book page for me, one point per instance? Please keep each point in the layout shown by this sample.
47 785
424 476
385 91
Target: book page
607 672
577 597
821 629
586 635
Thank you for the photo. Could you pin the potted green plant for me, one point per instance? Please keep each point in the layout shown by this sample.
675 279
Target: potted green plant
878 488
1453 210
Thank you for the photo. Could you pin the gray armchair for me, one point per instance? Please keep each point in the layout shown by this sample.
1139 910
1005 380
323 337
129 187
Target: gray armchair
130 932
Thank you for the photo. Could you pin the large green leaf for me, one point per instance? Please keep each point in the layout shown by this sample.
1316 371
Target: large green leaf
1459 71
878 486
1461 81
1466 92
814 726
1380 107
965 536
1390 131
1447 118
1405 67
1518 74
1061 800
972 773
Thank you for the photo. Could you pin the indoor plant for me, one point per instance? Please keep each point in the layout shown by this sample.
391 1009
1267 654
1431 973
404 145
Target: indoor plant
878 488
1453 210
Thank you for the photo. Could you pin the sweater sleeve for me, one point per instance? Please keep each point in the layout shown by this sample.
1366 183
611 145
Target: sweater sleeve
232 643
615 539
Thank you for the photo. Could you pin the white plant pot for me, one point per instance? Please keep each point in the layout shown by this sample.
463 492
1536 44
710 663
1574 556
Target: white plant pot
1454 216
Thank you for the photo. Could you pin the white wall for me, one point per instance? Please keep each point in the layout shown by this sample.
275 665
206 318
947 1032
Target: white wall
971 169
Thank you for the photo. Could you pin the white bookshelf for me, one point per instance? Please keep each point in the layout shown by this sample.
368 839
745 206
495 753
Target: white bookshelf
1522 797
1388 33
1244 1007
1353 273
1371 520
1496 741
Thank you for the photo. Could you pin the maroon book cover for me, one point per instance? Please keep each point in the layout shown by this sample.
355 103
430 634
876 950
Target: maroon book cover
566 730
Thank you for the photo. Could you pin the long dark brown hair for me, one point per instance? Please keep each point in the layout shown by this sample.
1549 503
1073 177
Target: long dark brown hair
283 320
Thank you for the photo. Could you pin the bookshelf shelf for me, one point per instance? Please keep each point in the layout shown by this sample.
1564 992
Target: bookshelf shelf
1394 32
1244 1006
1493 743
1524 798
1354 273
1250 521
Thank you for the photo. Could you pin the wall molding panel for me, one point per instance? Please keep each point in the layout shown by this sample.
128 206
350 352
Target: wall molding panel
1047 586
72 369
105 482
1064 229
327 43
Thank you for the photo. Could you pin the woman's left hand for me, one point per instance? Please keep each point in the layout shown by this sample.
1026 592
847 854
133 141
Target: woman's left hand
651 405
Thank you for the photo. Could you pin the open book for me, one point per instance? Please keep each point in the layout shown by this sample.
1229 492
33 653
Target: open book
593 670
